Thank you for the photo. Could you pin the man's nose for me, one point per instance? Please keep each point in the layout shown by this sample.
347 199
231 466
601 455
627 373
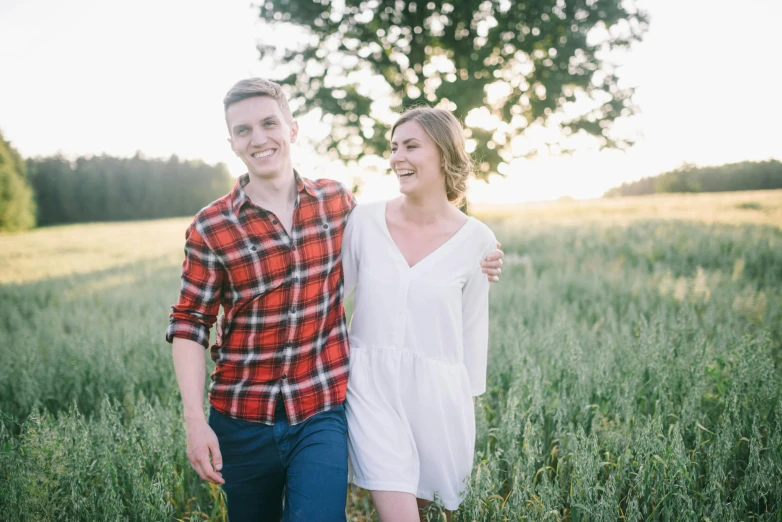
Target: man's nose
258 137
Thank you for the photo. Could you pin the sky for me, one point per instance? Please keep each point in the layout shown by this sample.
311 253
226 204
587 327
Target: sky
91 77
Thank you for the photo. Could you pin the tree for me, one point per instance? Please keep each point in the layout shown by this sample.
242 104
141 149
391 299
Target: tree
49 177
527 63
747 175
106 188
17 208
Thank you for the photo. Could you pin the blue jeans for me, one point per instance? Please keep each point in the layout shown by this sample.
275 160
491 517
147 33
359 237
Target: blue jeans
309 461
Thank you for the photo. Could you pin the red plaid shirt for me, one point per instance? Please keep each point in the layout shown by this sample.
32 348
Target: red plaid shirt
282 298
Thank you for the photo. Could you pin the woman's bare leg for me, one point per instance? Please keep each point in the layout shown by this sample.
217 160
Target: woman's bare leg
395 506
422 507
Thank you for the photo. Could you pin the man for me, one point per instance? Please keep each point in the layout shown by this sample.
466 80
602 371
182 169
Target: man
269 253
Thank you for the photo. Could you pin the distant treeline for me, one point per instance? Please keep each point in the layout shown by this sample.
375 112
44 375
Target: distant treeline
747 175
105 188
55 190
17 208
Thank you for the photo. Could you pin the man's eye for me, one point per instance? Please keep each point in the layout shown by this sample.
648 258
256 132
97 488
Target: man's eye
242 132
270 123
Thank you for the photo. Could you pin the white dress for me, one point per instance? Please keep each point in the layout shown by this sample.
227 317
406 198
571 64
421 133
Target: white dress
418 349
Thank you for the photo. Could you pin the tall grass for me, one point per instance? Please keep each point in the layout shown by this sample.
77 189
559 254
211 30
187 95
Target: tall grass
634 374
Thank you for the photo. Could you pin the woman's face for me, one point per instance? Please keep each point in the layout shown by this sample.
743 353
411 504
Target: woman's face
416 160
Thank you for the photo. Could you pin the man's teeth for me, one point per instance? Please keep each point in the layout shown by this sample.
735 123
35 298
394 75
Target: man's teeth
406 172
263 154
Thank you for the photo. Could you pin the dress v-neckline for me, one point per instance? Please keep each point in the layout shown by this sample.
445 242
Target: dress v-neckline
428 256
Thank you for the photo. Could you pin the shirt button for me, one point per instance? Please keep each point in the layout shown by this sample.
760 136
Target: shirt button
253 248
284 376
293 248
275 222
295 279
293 309
325 225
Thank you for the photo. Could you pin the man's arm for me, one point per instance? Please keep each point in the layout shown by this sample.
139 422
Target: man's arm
190 368
188 331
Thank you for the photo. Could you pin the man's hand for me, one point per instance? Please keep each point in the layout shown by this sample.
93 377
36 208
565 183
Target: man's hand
492 264
201 444
190 368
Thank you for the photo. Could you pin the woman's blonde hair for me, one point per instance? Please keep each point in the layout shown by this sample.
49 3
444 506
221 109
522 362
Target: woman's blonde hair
448 134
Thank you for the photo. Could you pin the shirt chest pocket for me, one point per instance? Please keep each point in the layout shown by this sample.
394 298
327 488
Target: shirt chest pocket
257 269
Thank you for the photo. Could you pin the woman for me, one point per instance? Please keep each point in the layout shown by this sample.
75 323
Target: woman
419 331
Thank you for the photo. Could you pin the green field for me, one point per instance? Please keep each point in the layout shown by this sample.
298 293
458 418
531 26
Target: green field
635 368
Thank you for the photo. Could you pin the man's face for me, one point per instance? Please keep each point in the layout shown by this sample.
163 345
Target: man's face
260 136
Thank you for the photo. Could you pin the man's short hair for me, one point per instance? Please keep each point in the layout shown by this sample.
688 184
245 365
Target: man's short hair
251 87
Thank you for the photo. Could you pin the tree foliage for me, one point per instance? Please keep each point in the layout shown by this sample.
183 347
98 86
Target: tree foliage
747 175
527 63
105 188
17 208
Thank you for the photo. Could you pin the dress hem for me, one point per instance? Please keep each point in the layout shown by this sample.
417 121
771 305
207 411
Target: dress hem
374 485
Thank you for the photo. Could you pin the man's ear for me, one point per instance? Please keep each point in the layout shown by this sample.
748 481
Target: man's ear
294 131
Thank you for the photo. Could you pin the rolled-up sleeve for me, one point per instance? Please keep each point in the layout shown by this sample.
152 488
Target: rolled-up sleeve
199 295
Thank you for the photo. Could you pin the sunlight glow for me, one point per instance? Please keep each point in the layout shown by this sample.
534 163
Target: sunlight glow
482 118
117 93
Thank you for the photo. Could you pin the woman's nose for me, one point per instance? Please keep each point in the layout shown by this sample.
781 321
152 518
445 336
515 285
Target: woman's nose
396 158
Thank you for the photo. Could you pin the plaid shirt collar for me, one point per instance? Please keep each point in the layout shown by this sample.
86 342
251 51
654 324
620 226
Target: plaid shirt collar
239 196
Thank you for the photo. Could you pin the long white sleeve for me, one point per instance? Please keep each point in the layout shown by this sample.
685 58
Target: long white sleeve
350 254
475 319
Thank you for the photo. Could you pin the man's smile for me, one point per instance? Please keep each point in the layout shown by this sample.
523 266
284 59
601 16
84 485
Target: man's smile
263 154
